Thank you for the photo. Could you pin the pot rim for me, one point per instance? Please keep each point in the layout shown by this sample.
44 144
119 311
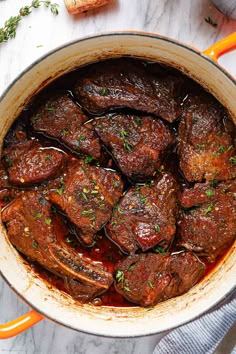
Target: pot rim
92 37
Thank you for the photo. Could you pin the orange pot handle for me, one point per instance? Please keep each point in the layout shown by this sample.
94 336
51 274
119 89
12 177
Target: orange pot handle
20 324
223 46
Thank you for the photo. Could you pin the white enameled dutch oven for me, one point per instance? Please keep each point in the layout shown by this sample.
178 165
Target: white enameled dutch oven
53 304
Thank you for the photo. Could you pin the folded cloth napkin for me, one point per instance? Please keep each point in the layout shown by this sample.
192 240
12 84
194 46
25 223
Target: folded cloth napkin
202 335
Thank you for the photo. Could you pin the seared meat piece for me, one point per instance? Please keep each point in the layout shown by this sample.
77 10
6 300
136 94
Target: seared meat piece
32 231
30 162
136 143
206 141
148 278
126 83
208 226
61 118
87 197
145 216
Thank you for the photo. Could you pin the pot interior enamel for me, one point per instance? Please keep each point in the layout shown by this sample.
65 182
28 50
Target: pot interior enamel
108 321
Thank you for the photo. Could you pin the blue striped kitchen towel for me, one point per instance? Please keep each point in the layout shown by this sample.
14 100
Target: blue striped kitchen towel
202 335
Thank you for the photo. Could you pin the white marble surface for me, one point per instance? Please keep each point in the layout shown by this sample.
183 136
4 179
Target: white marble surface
41 32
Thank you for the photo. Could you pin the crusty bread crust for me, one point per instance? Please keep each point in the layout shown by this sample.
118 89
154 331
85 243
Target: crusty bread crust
77 6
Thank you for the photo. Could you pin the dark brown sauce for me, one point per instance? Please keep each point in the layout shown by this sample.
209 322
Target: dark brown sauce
103 250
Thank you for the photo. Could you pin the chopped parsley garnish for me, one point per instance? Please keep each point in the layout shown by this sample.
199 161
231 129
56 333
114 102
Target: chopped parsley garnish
80 138
138 121
126 288
49 109
64 132
157 228
9 162
104 91
38 215
208 209
88 159
86 212
35 244
119 276
221 149
200 148
131 267
48 221
143 199
123 133
214 183
159 249
232 160
209 193
84 196
230 148
150 283
127 146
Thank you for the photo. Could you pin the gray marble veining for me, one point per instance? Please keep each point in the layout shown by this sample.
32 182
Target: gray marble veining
37 34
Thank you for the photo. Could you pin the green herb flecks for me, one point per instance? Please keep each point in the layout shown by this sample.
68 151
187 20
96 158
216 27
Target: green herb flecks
38 216
35 244
119 276
214 183
8 31
159 249
131 267
50 109
88 159
61 189
126 288
221 149
86 212
200 148
208 209
104 91
127 146
150 283
138 121
157 228
80 138
209 193
232 160
48 221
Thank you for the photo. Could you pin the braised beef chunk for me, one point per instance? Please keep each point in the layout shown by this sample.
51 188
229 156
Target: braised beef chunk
59 117
208 225
206 141
145 216
30 162
127 83
88 196
31 230
148 278
135 142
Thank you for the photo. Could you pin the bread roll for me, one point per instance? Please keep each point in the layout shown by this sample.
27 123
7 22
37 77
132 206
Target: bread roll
77 6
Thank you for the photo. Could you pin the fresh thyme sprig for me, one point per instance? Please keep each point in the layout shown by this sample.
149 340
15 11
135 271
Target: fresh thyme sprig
9 30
